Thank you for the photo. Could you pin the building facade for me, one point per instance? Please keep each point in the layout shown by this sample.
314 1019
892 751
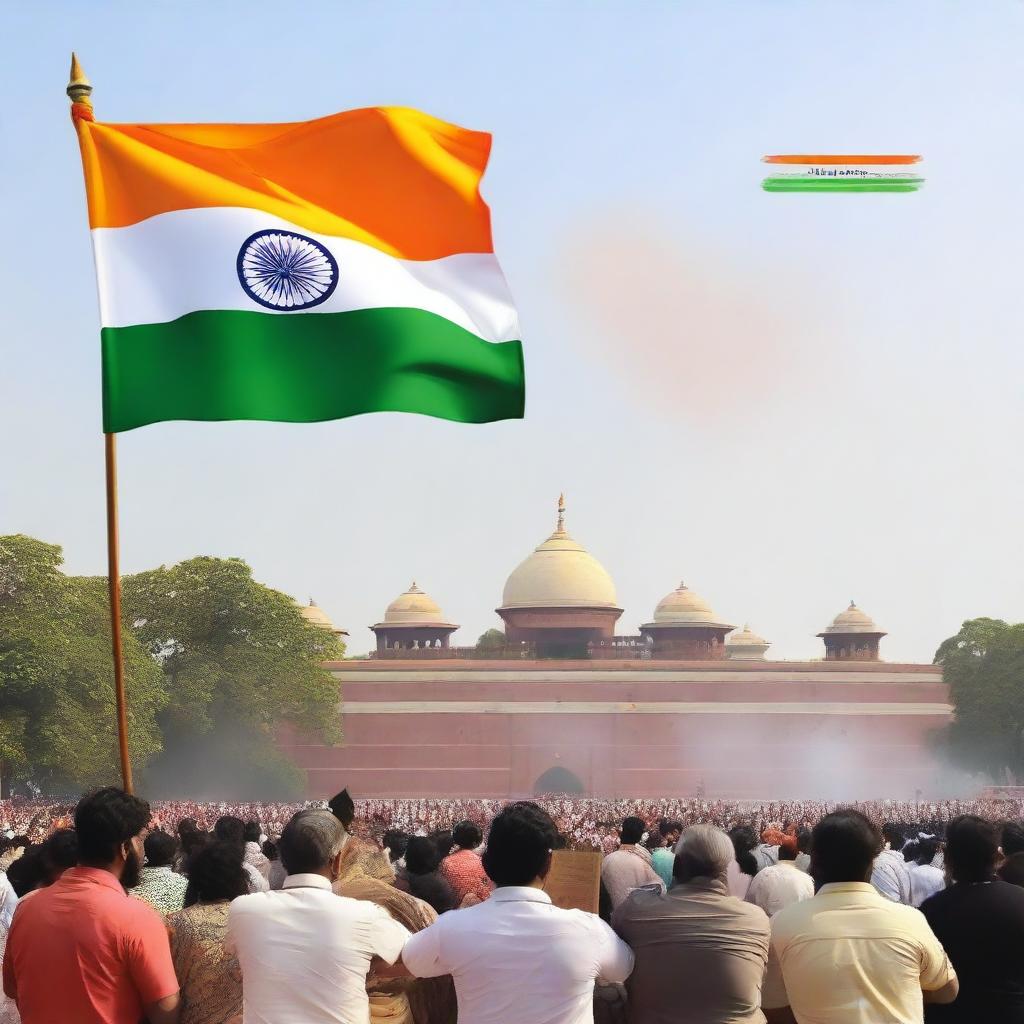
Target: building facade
565 705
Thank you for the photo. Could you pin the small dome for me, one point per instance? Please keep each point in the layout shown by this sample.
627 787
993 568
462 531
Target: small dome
852 620
316 616
745 637
685 608
414 608
560 573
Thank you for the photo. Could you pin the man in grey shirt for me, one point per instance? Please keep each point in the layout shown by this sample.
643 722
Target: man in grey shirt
700 953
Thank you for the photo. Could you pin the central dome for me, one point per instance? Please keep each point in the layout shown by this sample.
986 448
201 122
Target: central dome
413 608
560 573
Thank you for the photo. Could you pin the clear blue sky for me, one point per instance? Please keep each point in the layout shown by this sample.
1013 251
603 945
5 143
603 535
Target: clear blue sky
788 401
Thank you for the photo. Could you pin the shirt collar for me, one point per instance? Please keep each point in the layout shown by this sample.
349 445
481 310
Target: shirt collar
98 876
703 883
862 887
309 881
519 894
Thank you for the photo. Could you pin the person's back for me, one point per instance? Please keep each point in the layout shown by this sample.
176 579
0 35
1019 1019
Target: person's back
980 922
516 957
848 955
82 950
779 885
305 952
462 869
700 953
630 866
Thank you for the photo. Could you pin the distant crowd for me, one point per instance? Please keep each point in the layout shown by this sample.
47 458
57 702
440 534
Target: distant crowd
113 911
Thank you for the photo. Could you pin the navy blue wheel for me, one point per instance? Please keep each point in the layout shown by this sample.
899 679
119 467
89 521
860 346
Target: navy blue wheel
284 270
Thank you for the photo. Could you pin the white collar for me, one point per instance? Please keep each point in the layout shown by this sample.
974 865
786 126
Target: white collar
306 881
519 894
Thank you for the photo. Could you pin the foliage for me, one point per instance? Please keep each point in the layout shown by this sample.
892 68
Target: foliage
984 667
239 660
492 640
57 720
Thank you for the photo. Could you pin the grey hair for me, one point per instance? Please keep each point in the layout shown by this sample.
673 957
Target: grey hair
707 850
310 841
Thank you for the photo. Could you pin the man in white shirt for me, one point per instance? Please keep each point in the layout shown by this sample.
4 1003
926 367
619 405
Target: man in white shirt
516 958
779 885
890 874
630 866
305 952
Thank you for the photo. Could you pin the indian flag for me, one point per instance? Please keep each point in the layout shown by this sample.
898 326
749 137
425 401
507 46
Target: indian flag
298 272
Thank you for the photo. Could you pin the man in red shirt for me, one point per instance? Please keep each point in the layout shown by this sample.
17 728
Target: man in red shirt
463 869
82 950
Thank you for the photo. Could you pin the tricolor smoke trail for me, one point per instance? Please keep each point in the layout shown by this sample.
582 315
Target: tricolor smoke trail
850 172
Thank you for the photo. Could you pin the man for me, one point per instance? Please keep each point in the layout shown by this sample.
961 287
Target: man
980 921
700 953
254 855
663 858
305 952
779 885
360 854
463 869
516 957
848 955
160 886
229 829
890 874
82 950
1012 840
803 845
630 865
925 878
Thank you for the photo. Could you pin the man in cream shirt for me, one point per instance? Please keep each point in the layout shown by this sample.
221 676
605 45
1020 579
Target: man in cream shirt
848 955
516 958
305 952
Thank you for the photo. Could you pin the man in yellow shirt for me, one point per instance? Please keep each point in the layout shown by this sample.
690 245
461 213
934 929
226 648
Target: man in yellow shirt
848 955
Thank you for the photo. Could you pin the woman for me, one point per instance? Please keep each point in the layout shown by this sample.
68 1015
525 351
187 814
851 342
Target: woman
210 980
423 879
742 870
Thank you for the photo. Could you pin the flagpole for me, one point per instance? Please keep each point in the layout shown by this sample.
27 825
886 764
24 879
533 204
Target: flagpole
79 90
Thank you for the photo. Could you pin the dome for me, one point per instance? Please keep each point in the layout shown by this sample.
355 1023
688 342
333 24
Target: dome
414 608
316 616
746 638
560 573
852 620
685 608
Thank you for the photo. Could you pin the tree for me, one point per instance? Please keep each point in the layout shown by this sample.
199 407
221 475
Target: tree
492 640
984 667
239 661
57 719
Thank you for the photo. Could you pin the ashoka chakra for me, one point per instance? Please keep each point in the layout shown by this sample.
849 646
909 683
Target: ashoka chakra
283 270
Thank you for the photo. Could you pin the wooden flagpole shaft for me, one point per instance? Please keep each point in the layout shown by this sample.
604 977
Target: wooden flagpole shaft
114 580
79 91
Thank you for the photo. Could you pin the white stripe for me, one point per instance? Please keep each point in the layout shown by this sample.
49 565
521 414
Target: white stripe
180 262
527 707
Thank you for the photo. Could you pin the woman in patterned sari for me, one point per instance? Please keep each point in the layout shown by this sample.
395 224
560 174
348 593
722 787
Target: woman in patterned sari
210 980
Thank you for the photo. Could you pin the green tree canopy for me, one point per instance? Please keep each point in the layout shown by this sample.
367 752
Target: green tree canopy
239 660
57 721
491 640
984 667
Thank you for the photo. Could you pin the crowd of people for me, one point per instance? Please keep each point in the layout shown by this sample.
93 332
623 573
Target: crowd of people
114 911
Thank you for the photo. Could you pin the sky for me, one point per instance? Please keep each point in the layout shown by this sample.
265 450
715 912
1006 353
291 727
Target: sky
787 401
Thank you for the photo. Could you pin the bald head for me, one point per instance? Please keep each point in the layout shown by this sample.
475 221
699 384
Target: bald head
703 851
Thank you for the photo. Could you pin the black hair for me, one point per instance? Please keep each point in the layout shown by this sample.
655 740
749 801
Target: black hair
669 825
28 872
421 855
442 840
252 832
972 849
744 839
1012 838
1012 869
186 825
844 845
160 849
395 842
104 820
230 829
893 835
59 852
926 850
269 849
910 851
193 842
803 840
467 835
632 830
216 873
519 844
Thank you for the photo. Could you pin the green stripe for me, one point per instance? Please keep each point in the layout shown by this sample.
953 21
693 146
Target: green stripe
813 183
305 367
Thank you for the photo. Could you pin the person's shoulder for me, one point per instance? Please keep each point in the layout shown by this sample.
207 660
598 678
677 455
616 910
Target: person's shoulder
751 911
792 917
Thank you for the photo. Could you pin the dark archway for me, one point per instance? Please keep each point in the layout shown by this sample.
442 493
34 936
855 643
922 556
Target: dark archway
558 780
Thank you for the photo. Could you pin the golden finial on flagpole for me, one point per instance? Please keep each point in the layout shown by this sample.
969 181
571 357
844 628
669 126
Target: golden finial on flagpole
79 87
561 514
